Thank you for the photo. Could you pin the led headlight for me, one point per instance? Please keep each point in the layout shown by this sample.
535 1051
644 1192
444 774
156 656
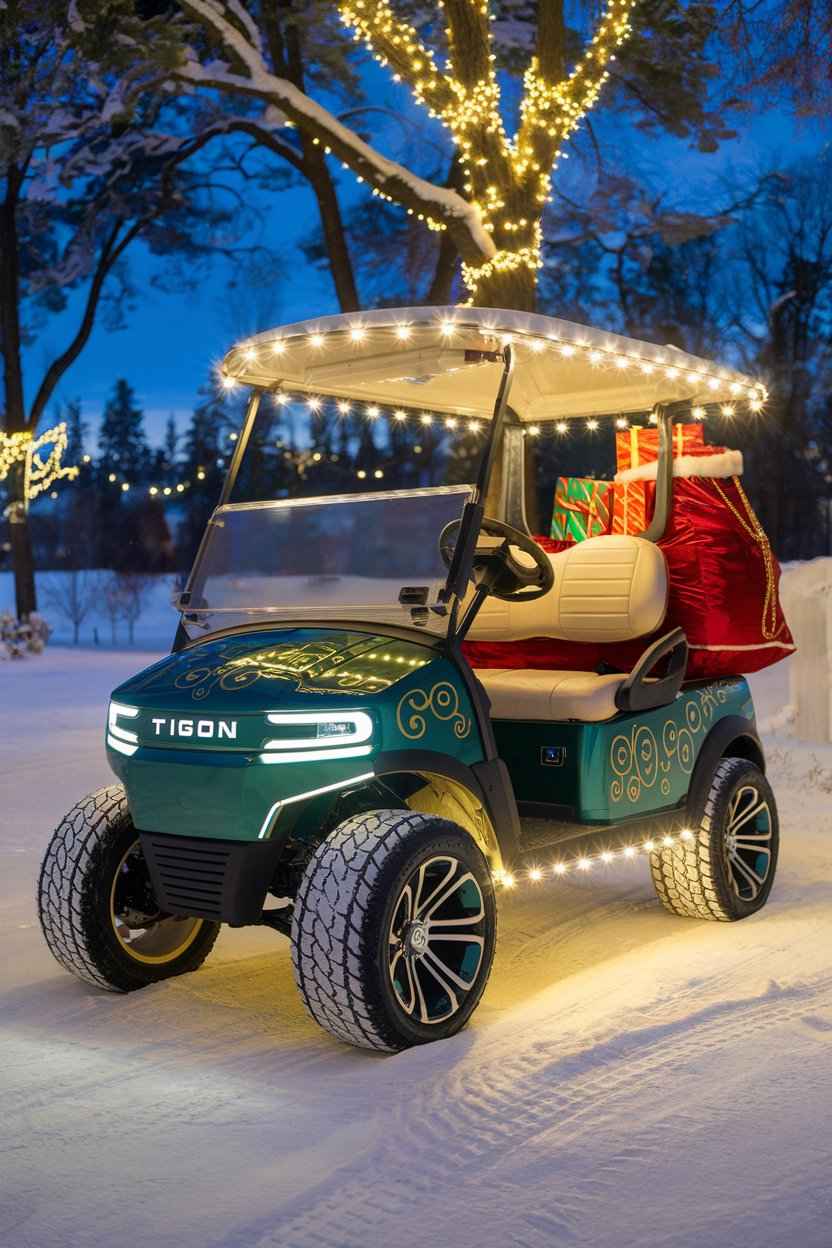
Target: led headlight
118 738
329 735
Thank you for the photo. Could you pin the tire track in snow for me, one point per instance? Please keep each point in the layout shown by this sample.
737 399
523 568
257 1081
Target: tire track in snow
448 1132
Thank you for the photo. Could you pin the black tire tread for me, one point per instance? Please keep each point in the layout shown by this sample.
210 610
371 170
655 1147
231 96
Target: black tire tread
328 931
684 875
64 881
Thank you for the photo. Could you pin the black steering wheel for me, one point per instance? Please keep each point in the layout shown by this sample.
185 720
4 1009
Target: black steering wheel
502 574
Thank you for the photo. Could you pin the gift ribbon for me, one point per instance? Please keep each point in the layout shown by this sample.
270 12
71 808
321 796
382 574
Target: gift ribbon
635 442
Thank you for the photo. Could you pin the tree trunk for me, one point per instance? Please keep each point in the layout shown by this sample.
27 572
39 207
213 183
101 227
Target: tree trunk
14 404
332 225
21 544
510 288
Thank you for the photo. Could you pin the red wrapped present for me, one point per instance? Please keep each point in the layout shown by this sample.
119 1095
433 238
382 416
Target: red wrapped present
635 446
632 508
583 508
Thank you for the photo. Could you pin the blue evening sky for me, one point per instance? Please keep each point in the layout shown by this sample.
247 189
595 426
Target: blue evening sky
171 340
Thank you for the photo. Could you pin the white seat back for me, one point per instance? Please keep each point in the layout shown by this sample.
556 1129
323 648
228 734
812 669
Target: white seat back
609 588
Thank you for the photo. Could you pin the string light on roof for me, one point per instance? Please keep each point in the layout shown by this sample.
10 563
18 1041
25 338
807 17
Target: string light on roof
607 355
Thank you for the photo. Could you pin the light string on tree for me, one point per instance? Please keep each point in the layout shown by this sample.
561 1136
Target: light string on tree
41 466
584 863
500 172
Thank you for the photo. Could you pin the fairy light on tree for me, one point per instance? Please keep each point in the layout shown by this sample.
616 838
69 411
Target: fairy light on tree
495 220
37 459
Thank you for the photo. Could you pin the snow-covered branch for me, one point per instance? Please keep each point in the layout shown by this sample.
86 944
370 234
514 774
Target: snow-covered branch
253 78
397 45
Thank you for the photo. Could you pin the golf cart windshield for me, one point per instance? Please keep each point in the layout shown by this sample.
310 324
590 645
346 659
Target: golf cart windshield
370 558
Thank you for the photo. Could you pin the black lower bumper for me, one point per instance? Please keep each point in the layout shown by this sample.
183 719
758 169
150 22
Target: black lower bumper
225 881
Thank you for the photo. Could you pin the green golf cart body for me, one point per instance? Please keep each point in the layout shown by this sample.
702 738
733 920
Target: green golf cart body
317 755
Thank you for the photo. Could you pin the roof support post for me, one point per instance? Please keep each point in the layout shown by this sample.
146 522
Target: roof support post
664 474
512 506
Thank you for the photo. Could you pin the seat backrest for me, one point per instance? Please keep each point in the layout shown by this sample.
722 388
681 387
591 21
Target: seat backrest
609 588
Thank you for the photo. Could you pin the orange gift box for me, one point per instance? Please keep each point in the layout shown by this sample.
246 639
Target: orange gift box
636 446
632 507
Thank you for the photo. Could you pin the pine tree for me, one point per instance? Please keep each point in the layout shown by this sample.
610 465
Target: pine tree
76 428
171 444
122 443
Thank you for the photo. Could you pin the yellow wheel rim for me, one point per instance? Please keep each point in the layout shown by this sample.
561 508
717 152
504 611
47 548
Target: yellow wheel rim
162 940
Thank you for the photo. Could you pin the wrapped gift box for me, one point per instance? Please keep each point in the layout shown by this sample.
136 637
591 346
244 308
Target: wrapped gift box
632 508
583 508
635 447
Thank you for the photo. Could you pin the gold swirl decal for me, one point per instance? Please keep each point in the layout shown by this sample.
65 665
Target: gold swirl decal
637 760
442 702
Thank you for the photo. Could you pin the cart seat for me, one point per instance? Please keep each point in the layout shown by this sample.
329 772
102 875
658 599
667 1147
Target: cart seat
609 588
530 694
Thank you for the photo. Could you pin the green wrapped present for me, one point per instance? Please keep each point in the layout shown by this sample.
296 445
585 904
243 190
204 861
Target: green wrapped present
583 508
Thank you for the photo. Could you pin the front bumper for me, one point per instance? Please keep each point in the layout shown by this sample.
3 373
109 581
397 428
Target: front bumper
223 881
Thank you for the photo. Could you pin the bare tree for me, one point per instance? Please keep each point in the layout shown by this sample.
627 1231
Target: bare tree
134 590
73 595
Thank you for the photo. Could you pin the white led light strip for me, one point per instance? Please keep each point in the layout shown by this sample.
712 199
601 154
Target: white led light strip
534 875
122 739
266 825
319 748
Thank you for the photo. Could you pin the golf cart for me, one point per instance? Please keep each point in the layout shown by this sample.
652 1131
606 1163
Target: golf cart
318 755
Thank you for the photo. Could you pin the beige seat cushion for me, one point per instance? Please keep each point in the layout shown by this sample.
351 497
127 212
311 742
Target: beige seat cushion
610 588
524 693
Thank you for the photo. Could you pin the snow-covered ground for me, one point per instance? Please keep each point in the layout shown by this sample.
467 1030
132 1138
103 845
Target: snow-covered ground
630 1078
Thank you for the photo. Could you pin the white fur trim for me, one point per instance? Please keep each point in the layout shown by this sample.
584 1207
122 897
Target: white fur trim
723 464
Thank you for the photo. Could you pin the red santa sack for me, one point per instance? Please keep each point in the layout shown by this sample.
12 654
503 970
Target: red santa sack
723 582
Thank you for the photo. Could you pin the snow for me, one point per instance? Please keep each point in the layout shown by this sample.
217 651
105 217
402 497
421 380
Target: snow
155 629
629 1079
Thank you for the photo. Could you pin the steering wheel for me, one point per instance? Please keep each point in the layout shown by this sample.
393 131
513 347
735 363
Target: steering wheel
505 577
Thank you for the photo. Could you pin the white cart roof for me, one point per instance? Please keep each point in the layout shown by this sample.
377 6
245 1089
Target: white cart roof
432 358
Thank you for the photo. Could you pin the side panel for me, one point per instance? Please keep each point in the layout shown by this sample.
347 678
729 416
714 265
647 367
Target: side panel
632 765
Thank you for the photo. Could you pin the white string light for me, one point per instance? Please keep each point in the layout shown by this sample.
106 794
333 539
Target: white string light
41 468
587 862
599 356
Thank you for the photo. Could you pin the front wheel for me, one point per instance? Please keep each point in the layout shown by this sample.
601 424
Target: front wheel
394 930
726 870
96 905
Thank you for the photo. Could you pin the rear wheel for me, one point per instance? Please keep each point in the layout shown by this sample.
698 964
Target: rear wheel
96 905
727 870
394 930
